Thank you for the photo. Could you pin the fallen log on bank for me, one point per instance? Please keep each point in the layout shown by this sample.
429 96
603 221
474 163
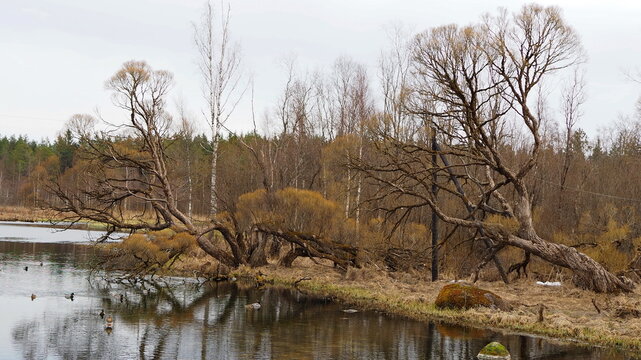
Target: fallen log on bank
312 246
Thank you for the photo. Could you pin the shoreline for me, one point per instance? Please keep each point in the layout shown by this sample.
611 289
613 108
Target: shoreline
570 315
420 306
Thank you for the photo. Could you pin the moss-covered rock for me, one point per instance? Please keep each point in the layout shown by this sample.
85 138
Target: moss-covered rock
459 296
494 351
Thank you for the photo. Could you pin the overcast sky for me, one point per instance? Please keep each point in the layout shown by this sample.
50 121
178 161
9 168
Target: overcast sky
55 55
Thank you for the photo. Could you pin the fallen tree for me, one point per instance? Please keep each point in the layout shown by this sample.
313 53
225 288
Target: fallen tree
125 184
307 245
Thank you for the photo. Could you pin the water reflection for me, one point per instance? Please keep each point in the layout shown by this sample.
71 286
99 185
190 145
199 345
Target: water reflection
182 319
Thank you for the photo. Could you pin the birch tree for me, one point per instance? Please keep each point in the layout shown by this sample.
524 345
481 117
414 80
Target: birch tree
219 64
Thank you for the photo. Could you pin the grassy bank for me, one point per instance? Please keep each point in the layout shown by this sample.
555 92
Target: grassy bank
569 313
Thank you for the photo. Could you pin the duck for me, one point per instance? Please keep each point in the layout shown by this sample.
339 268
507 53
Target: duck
41 263
109 323
254 306
122 297
102 313
26 268
69 296
33 297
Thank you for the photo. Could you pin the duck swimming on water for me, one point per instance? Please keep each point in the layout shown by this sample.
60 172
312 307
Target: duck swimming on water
33 297
69 296
109 323
254 306
102 313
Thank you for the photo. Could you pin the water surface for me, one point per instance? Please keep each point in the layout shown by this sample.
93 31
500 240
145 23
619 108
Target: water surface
183 319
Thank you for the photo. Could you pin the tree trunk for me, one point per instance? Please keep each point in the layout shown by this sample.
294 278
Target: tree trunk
359 187
213 250
588 274
341 254
348 186
460 190
291 255
189 187
213 202
258 256
434 231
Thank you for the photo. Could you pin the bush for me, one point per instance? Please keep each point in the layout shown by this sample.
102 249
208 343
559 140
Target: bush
148 252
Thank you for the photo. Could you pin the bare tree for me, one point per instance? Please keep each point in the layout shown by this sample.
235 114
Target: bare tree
572 99
81 126
130 162
219 63
186 134
351 103
394 76
470 83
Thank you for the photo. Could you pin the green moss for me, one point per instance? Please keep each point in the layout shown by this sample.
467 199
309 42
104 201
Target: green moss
494 348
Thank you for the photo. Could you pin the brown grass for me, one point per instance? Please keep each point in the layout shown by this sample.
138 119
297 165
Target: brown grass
28 214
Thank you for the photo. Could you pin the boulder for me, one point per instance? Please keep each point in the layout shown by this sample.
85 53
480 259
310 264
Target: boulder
494 351
461 297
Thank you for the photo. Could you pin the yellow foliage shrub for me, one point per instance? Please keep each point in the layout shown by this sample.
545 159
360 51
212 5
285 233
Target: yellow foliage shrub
297 210
154 248
139 246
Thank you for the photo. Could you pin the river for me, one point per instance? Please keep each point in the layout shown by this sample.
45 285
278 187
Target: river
175 318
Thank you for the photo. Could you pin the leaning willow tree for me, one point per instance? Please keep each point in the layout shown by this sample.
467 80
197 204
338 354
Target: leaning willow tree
125 182
471 86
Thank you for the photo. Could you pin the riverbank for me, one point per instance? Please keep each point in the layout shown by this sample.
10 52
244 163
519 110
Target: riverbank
569 315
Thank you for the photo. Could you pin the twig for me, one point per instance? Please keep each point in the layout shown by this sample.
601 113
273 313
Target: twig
595 305
301 279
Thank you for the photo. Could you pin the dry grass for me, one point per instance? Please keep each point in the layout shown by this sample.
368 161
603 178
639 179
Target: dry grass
28 214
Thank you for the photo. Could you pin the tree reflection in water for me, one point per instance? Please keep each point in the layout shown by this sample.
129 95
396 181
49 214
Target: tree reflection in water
191 321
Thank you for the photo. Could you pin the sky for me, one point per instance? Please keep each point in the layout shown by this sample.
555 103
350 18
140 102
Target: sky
55 55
